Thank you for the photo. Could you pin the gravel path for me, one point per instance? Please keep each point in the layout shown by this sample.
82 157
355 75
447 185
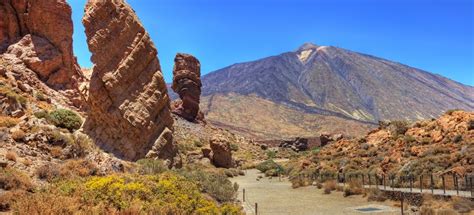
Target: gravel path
275 197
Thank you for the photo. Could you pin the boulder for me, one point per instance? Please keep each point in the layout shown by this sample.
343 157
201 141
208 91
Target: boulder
187 84
129 108
298 144
221 152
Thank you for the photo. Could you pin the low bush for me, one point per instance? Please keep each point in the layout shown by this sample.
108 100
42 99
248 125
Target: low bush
353 188
462 205
11 94
398 127
330 185
78 146
151 166
375 195
40 96
18 135
216 184
271 154
64 118
8 122
48 172
234 147
269 165
168 190
11 179
10 155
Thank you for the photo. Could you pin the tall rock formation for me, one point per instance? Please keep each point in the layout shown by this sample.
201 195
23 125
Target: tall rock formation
43 30
187 84
129 104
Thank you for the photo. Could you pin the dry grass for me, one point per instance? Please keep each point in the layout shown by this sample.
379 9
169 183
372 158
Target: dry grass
11 155
56 152
462 205
376 195
11 179
45 203
353 188
8 122
68 170
27 162
331 185
79 167
18 135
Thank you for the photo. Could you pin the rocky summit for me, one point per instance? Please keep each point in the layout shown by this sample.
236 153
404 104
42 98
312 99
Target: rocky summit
345 91
187 84
129 106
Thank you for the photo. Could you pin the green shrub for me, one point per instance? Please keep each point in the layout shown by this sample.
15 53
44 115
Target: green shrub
270 165
271 154
64 118
9 93
41 114
234 147
40 96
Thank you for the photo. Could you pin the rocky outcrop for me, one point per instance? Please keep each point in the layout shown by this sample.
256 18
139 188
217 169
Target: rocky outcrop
187 84
129 105
221 153
40 33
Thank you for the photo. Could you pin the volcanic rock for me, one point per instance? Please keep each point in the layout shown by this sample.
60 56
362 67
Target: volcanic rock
43 33
129 105
221 152
187 83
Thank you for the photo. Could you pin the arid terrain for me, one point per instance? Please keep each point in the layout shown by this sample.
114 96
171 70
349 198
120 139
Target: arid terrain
117 139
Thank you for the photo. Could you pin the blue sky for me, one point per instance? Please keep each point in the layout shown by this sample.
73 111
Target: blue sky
433 35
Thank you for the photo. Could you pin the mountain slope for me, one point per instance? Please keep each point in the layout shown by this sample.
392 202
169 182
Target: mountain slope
328 82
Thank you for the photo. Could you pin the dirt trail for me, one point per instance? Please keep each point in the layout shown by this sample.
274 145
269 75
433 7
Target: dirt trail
275 197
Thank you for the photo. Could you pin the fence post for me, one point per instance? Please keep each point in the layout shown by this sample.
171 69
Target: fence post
472 191
444 184
384 186
421 183
411 183
243 194
376 181
432 184
369 181
256 208
456 183
393 184
466 183
401 201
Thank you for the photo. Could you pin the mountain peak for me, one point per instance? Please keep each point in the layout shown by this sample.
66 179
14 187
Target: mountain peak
307 46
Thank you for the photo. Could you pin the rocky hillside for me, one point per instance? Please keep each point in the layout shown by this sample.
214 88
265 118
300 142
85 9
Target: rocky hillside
320 84
398 148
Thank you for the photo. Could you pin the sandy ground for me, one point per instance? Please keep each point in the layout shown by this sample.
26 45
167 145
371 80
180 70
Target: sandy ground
275 197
